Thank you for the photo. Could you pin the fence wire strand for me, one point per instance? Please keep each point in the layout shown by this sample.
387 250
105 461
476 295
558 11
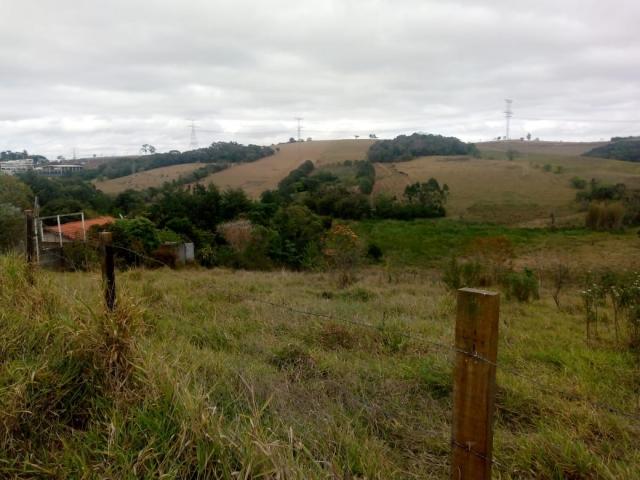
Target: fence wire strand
473 355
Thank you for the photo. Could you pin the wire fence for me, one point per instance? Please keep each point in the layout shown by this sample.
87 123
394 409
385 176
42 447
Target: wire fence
409 336
414 336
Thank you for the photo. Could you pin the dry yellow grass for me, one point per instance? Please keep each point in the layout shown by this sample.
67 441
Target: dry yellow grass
264 174
506 191
149 178
553 148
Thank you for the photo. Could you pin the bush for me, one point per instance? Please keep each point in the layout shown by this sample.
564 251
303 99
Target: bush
605 216
374 252
523 286
207 257
578 183
471 273
342 251
80 256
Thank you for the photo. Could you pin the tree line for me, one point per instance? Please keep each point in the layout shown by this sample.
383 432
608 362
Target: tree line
407 147
221 153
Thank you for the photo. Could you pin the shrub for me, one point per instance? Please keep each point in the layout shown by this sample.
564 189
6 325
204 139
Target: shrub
547 167
80 256
237 234
469 273
605 216
578 183
452 274
298 235
365 185
374 252
207 257
342 251
523 286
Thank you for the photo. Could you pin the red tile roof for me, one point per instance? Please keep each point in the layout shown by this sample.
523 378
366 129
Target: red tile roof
73 230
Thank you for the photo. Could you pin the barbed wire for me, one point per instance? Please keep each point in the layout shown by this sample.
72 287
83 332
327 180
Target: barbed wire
410 336
467 448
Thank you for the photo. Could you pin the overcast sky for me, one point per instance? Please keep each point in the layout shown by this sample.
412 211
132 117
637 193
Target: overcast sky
105 77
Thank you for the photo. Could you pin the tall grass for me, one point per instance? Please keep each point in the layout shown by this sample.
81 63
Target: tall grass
191 381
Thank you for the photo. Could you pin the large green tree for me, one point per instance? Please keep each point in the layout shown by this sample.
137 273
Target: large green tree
15 196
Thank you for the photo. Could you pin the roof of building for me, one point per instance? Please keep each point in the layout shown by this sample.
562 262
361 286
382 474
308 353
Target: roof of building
74 231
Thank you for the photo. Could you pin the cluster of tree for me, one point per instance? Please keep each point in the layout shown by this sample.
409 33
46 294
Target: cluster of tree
366 176
286 225
66 195
620 148
287 235
325 194
601 192
404 148
23 155
219 152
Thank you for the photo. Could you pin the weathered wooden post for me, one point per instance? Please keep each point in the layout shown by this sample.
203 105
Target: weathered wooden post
30 245
474 385
108 270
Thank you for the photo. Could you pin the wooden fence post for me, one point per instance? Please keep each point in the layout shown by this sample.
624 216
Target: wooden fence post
30 245
474 385
108 270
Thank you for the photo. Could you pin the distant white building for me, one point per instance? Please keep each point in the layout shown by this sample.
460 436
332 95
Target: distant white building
11 167
57 170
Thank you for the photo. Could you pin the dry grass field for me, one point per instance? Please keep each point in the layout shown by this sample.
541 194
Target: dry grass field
551 148
264 174
495 189
149 178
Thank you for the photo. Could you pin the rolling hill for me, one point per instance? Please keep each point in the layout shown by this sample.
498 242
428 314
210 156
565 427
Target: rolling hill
264 174
492 188
149 178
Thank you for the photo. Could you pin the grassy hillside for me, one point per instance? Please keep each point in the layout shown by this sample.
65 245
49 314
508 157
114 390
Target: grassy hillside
149 178
573 149
495 189
524 191
203 374
265 174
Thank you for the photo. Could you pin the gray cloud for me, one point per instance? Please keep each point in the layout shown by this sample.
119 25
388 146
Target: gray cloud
105 77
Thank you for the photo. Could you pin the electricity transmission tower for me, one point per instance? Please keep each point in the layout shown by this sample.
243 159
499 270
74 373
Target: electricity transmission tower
193 143
508 113
299 120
